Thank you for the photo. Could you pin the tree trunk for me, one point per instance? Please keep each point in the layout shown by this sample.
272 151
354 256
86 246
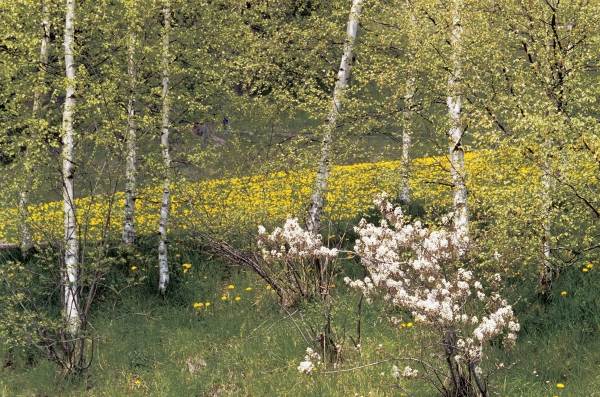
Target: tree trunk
547 271
163 264
454 102
313 221
131 160
71 269
407 116
25 228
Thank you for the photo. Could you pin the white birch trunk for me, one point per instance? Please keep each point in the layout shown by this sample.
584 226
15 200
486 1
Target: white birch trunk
313 221
71 270
163 264
25 228
407 116
546 272
454 102
131 142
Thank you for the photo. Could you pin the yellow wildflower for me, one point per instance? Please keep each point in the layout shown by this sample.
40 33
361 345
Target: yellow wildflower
133 268
207 304
248 289
589 265
585 269
564 293
237 298
409 325
224 298
560 385
198 305
186 267
231 286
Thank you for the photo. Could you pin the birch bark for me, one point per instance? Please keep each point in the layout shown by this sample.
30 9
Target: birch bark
131 143
313 221
407 117
71 270
25 229
163 264
455 113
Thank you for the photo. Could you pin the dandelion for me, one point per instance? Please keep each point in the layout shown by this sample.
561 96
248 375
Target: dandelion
237 298
409 325
589 265
564 293
248 289
585 269
186 267
198 305
224 298
133 268
231 286
560 385
206 304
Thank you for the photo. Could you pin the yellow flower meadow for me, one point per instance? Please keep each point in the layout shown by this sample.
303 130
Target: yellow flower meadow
243 201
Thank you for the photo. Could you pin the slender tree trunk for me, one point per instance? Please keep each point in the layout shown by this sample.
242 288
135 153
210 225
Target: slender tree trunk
25 228
163 264
131 142
556 95
407 117
455 113
546 274
313 221
71 270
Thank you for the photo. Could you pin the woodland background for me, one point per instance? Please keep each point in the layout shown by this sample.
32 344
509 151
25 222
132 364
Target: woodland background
143 142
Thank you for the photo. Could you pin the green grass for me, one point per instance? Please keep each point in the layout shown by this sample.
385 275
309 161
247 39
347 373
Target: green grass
252 348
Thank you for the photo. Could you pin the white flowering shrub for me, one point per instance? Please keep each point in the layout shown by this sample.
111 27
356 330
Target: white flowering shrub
312 359
419 270
297 261
301 269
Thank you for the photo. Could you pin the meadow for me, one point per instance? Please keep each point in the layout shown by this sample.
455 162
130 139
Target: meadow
148 345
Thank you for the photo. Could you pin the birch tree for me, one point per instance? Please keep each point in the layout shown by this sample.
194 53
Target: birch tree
407 113
163 264
70 271
131 138
313 221
454 102
25 230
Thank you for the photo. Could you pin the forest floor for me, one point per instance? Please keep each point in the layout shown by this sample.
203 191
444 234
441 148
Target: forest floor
152 346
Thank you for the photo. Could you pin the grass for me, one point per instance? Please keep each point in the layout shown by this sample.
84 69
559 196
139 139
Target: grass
252 348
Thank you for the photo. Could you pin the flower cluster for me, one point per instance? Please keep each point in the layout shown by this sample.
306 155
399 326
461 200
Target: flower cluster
407 372
292 242
308 365
416 270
